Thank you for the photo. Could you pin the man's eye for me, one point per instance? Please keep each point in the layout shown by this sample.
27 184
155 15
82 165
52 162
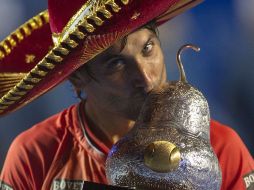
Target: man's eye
148 48
116 64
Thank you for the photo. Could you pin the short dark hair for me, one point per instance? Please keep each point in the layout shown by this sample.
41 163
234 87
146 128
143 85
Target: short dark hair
150 26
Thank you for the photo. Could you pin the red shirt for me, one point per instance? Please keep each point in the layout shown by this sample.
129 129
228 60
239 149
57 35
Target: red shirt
57 153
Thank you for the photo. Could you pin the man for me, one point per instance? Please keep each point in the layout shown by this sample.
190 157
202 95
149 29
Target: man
71 146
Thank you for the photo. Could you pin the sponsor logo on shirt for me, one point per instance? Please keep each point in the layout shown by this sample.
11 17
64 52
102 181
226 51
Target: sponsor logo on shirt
249 181
4 186
66 184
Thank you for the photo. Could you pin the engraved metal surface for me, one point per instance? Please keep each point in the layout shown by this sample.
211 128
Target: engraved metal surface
178 114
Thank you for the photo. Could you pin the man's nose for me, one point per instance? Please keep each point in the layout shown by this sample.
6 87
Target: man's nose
142 76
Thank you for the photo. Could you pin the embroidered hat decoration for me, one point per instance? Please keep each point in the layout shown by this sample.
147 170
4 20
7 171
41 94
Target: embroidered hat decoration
46 49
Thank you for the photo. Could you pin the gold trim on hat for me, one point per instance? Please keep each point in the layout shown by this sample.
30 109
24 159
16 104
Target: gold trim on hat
88 11
9 80
21 33
78 27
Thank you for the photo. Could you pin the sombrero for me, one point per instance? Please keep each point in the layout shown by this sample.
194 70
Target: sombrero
46 49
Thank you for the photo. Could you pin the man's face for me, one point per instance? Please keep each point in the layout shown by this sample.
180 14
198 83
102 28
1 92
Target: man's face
124 77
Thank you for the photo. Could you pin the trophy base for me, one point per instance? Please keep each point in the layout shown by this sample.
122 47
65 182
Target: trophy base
96 186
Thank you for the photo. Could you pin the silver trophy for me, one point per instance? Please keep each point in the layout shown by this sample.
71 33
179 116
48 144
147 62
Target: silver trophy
169 146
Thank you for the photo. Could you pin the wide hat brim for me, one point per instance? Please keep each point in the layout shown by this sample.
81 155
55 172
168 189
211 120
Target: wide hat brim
31 64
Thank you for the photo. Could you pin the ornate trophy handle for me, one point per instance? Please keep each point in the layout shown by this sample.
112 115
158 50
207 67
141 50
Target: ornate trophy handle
179 61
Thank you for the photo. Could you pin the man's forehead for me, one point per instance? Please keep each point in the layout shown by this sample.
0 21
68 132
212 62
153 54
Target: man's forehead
113 50
118 46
